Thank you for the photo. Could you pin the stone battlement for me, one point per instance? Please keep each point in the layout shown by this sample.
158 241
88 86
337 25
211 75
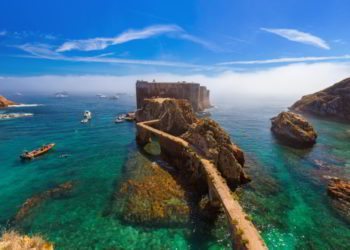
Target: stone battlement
196 94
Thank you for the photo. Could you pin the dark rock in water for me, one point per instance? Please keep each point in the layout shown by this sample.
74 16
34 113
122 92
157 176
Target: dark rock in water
36 200
214 143
293 129
5 102
151 196
339 191
332 102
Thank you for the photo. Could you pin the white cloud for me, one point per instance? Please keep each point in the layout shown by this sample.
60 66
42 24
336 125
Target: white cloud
3 33
286 81
299 36
130 35
288 60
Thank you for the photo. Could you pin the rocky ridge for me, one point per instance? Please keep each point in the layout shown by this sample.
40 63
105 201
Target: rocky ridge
332 102
205 135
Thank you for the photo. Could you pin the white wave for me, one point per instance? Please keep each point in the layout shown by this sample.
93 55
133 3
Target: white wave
24 105
14 115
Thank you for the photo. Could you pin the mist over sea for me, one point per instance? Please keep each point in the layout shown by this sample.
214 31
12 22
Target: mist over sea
287 197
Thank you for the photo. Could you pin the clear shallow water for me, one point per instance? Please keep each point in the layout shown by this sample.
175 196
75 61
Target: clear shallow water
287 199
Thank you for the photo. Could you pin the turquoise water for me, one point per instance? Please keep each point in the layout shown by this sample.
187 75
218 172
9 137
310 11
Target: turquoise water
287 198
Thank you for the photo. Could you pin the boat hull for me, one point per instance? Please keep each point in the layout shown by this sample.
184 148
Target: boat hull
35 153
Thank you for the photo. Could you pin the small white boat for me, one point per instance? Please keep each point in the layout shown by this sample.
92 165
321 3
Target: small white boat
114 97
87 117
120 118
101 96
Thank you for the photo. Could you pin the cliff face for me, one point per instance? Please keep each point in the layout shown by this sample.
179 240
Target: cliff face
293 129
5 102
197 95
333 102
205 135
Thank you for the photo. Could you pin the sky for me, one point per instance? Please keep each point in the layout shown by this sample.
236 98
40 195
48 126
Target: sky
252 47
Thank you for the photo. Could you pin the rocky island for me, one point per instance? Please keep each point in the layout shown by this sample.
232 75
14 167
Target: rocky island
201 152
332 102
4 102
293 129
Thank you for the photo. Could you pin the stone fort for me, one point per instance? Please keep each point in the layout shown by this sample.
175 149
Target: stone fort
196 94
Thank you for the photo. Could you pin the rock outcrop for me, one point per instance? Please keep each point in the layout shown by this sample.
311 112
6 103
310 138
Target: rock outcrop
175 114
211 141
293 129
13 241
332 102
5 102
205 135
339 192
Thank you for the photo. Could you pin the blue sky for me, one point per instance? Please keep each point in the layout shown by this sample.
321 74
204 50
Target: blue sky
123 38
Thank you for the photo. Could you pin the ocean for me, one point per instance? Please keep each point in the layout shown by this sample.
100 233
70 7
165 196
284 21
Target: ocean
287 198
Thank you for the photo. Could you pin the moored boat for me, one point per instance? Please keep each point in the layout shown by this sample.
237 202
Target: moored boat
87 116
29 155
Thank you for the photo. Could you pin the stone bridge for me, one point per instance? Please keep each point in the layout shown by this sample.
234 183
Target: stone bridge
180 153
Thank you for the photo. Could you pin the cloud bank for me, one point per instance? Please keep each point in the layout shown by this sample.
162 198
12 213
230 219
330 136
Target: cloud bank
289 60
299 36
292 80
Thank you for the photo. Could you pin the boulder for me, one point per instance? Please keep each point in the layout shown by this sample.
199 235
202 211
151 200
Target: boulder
339 192
5 102
293 129
332 102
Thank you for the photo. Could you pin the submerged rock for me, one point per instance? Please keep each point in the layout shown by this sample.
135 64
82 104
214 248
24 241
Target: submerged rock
5 102
293 129
36 200
332 102
339 191
152 196
14 241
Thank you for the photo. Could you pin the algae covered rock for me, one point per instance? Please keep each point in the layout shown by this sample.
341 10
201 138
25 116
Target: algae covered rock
293 129
332 102
151 196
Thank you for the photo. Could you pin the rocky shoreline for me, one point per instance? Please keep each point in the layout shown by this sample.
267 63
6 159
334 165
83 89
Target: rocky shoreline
4 102
330 103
